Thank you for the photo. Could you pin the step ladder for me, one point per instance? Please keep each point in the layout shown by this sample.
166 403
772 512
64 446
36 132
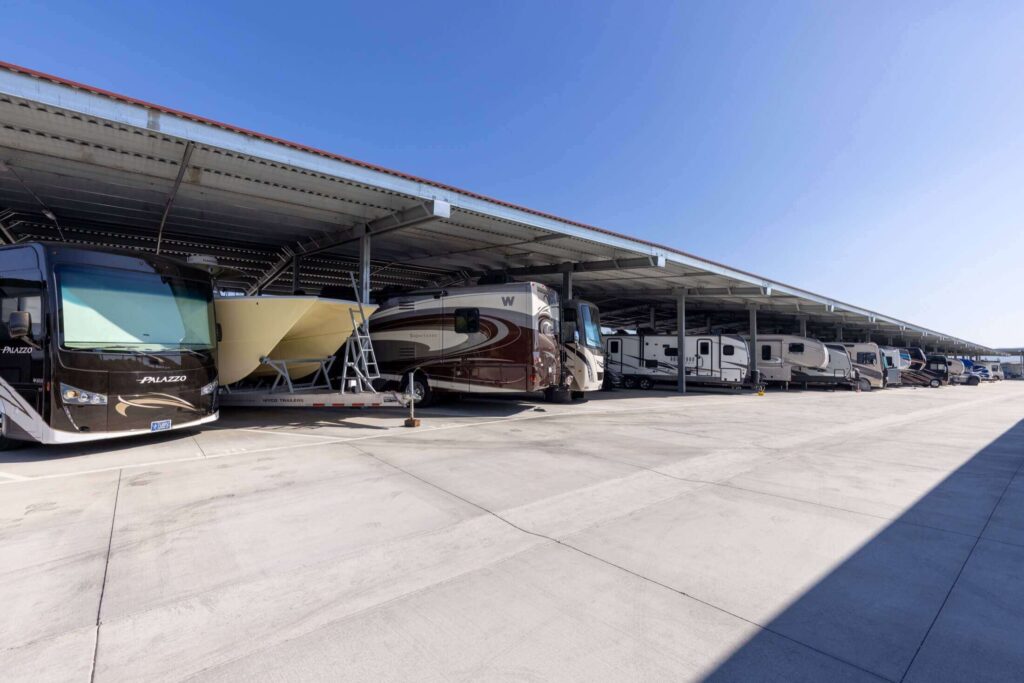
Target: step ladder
360 360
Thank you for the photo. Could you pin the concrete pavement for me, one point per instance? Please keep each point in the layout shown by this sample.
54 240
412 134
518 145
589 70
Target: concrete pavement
638 536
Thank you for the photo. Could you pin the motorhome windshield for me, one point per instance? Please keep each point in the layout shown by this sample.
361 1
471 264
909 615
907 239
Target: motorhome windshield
127 311
590 326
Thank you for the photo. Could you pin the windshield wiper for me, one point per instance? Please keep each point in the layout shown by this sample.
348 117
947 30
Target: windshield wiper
151 356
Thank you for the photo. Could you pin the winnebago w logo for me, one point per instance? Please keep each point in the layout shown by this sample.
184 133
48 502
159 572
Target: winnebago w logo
507 300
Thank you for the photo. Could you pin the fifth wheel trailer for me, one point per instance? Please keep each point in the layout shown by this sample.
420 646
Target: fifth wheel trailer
498 338
870 364
99 344
779 355
838 372
643 360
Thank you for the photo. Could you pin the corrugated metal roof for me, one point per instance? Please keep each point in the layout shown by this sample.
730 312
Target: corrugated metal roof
104 163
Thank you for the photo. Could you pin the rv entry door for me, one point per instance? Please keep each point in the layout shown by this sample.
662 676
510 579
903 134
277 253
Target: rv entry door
705 356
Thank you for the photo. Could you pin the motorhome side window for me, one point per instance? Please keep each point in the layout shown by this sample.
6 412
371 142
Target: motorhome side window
766 352
21 297
796 348
467 320
728 349
865 358
671 351
613 346
705 348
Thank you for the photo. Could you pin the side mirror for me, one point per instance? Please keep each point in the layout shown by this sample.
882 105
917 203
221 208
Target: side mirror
19 325
568 332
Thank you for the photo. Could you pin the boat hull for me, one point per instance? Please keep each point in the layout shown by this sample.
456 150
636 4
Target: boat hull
281 328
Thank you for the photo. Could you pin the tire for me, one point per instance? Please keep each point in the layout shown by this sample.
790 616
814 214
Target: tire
629 382
973 381
935 383
645 383
864 384
557 395
9 444
422 395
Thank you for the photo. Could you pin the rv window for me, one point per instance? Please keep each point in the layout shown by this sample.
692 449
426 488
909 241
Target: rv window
728 349
865 358
467 320
650 363
671 351
796 348
705 348
613 346
766 352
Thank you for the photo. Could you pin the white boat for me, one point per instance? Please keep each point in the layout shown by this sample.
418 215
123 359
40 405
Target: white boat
281 328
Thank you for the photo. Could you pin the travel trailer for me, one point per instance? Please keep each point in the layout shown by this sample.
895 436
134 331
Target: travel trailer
498 338
958 371
778 355
838 372
867 360
643 360
99 344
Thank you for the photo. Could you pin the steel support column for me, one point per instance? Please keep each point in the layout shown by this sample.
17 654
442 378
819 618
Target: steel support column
295 275
803 325
653 319
681 340
566 285
839 332
364 266
753 343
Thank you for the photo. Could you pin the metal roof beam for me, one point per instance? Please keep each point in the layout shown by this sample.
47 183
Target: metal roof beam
189 146
422 212
589 266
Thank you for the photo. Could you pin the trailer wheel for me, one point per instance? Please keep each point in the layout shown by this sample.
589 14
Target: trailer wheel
973 381
629 382
421 393
864 384
935 383
645 383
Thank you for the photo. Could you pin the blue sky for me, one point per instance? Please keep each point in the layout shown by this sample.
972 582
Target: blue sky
869 151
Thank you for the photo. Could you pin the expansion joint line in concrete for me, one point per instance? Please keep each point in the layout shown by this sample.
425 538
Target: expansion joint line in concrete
963 566
103 585
619 567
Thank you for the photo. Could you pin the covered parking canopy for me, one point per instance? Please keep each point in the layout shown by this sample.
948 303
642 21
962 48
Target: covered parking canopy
88 166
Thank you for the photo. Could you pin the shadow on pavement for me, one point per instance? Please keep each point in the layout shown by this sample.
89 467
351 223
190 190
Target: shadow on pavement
32 452
937 595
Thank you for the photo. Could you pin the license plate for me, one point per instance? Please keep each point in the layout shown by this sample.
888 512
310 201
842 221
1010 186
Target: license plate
159 425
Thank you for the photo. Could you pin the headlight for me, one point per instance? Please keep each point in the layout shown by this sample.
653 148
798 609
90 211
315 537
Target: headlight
78 397
208 388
